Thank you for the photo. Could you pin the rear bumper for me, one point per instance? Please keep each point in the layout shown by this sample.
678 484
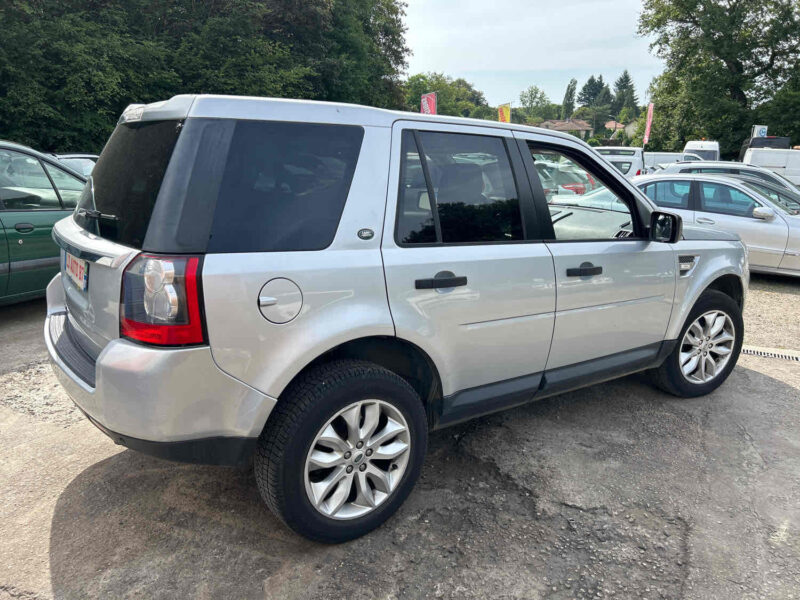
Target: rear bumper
174 404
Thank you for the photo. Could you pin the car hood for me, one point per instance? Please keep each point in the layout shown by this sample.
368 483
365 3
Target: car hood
693 232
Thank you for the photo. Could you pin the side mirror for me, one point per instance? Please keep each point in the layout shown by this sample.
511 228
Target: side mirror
763 212
665 227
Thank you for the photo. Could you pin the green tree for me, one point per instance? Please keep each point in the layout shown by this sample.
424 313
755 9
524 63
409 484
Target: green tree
624 94
455 97
69 67
568 104
723 58
533 99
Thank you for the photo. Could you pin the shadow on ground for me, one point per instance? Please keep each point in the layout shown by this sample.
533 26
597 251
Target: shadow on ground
616 489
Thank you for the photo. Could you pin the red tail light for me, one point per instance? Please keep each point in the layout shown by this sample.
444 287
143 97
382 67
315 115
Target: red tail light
160 302
638 172
577 188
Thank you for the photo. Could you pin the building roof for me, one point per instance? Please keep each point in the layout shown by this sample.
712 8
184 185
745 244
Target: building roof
566 125
614 125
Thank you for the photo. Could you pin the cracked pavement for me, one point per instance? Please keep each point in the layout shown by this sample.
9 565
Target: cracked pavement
617 490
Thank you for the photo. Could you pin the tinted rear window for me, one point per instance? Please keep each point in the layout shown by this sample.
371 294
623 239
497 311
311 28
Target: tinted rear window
126 180
284 186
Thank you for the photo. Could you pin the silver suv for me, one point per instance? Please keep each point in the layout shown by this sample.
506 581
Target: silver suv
317 286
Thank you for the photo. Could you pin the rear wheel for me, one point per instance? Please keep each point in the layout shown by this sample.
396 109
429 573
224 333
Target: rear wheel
342 450
707 350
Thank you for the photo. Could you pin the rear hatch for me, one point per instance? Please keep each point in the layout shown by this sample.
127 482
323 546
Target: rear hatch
110 224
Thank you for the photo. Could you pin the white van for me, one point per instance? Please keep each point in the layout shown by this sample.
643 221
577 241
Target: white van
780 161
627 159
703 148
653 159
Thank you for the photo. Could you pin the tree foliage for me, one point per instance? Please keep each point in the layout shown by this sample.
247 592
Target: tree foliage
624 95
68 68
568 104
726 61
455 97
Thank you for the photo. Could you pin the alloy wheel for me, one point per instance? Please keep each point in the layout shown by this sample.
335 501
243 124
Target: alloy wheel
707 347
357 459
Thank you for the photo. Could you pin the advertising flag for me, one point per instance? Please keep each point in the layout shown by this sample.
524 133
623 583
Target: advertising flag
504 113
649 124
428 104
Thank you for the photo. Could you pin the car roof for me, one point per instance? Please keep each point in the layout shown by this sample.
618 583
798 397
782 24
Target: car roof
314 111
4 144
77 155
706 164
664 176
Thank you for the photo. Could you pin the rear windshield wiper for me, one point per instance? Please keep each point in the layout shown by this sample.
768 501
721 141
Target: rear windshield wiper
97 215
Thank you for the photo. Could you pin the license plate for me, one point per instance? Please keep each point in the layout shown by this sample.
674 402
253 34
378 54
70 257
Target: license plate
77 270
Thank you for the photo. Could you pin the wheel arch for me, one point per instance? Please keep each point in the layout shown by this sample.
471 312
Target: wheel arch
398 355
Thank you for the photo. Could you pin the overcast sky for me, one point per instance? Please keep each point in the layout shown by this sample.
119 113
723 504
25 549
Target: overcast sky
502 47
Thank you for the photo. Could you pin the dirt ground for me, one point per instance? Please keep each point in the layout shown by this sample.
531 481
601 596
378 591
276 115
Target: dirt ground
615 491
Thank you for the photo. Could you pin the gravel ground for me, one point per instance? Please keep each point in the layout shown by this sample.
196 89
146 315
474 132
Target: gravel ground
771 313
614 491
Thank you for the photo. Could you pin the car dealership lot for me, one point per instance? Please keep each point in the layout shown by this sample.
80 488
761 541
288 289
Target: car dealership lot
613 491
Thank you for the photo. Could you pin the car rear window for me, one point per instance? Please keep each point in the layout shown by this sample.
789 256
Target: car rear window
616 152
223 185
126 181
624 167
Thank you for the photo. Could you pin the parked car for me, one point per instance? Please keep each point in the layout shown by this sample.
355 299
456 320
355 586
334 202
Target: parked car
35 192
770 229
705 149
317 285
655 160
629 160
770 141
776 193
80 163
784 163
732 168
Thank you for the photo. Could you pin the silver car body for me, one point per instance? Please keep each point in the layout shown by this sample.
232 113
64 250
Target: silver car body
722 167
773 243
519 324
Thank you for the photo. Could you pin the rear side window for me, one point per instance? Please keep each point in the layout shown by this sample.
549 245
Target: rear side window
670 194
126 181
284 186
475 198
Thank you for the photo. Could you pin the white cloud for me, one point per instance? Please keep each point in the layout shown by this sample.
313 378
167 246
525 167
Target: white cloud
502 47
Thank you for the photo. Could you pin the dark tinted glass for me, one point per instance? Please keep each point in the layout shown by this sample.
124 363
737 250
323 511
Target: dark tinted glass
284 186
126 180
476 197
414 215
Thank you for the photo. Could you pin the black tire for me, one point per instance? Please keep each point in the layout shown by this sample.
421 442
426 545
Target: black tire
669 378
301 412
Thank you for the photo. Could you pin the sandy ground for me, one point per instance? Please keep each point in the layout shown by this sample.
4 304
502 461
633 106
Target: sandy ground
613 491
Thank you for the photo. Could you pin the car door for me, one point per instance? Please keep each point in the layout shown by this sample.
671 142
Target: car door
467 278
31 208
4 262
725 207
673 195
614 287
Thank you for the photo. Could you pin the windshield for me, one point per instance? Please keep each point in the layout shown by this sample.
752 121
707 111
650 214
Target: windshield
706 154
789 204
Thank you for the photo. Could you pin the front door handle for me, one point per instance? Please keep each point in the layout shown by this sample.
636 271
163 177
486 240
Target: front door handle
705 220
586 269
24 227
444 279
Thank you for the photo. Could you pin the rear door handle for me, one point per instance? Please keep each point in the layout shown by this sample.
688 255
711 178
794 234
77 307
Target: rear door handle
705 221
586 269
24 227
438 282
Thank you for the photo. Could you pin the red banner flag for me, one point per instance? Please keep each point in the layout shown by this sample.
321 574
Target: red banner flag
428 104
649 124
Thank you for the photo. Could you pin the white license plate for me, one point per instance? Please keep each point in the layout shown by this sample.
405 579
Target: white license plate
77 270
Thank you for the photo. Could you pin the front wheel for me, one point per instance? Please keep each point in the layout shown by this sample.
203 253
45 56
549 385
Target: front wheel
707 350
342 450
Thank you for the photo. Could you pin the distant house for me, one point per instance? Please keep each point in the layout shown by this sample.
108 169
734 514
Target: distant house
614 125
577 127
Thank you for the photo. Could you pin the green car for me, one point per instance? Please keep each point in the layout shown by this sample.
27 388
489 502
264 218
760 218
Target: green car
35 192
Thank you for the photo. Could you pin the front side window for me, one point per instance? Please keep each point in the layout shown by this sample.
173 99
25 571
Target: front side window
23 183
670 194
69 187
475 198
723 199
591 211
